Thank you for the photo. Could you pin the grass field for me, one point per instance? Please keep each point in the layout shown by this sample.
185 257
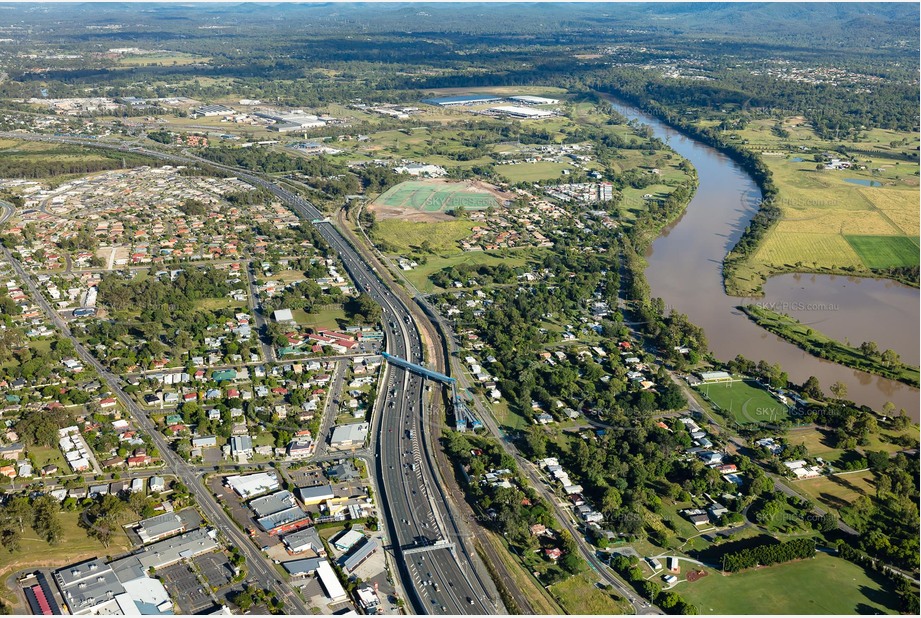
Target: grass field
824 214
745 402
325 317
532 172
822 585
885 251
163 59
76 545
512 258
405 236
427 196
839 490
580 595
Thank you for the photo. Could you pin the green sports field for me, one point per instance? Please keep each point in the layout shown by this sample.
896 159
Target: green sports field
426 196
746 402
885 251
821 585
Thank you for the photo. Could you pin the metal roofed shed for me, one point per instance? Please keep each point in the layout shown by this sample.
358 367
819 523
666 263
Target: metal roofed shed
273 503
253 484
347 540
357 557
316 494
302 567
517 111
532 100
288 519
330 582
353 434
302 540
468 99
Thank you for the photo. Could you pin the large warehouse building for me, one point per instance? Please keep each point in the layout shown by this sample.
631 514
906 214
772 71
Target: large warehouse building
517 111
466 99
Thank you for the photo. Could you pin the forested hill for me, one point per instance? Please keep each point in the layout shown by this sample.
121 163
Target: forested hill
856 26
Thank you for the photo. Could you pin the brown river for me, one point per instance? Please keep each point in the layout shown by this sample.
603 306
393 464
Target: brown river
685 271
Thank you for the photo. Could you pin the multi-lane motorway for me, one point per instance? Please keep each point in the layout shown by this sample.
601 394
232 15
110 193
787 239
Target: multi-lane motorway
437 567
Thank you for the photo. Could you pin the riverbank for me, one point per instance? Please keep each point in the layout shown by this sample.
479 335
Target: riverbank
685 271
823 346
772 243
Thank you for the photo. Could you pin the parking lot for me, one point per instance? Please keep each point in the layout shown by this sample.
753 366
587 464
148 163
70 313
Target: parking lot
306 477
185 589
215 568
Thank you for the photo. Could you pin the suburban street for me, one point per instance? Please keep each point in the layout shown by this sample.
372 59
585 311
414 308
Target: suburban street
260 569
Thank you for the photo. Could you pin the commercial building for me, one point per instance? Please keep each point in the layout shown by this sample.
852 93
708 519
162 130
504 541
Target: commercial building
284 521
170 551
357 557
273 503
307 539
90 588
302 567
330 582
368 600
159 527
347 540
349 436
315 495
253 484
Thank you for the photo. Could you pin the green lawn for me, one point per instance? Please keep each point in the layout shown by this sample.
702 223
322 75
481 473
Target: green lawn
326 317
840 490
580 595
745 402
530 172
822 585
75 545
885 251
512 258
406 236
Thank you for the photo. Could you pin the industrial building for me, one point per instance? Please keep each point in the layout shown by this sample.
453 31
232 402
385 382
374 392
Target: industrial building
315 495
531 100
169 551
469 99
296 120
159 527
273 503
347 540
357 557
279 512
304 540
214 110
302 567
91 588
330 582
517 111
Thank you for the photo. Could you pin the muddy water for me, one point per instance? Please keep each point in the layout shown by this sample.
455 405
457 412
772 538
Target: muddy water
685 271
